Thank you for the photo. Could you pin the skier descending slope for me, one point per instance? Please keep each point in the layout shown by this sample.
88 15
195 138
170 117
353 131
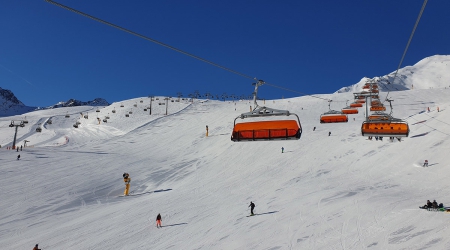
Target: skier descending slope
158 221
252 206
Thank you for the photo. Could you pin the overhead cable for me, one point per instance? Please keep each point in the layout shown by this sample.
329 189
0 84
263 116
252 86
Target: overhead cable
148 39
409 41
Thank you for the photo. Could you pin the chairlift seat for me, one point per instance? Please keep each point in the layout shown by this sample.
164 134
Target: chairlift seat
356 105
388 128
266 130
378 108
349 110
333 116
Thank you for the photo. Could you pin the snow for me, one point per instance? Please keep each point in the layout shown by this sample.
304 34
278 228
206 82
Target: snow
325 192
430 72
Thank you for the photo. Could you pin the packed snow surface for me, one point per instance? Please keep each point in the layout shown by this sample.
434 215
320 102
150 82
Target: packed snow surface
324 192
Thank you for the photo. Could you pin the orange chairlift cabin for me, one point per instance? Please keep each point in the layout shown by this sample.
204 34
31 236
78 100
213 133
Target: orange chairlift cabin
268 129
382 124
377 106
333 116
356 105
378 116
349 110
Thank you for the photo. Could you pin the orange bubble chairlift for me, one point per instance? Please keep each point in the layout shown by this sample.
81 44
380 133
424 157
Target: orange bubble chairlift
267 129
382 124
333 116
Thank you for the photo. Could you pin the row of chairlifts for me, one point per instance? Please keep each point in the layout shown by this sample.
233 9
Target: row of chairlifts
333 116
266 129
379 123
348 110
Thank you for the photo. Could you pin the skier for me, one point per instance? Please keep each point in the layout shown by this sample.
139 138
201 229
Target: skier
435 205
282 150
329 133
20 147
18 157
425 164
36 247
314 129
127 180
158 221
426 206
252 206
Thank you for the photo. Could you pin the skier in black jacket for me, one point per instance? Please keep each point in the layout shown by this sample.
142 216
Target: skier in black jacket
252 206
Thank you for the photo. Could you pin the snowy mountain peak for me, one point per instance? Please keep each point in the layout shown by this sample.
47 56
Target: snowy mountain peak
428 73
74 103
7 95
10 105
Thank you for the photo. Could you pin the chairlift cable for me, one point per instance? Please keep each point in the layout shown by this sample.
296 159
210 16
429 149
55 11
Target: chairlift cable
283 88
409 41
169 47
148 39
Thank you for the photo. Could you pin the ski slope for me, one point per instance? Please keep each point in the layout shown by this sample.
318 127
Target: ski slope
325 192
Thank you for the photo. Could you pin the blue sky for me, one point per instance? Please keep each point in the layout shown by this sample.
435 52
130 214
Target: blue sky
49 54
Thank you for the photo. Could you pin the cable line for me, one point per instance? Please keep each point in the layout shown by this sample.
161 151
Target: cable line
283 88
148 39
409 41
171 47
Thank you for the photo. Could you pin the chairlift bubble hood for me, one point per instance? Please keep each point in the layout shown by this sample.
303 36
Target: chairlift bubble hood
268 129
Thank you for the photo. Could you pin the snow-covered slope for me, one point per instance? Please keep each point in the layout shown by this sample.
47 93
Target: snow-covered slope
325 192
430 72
